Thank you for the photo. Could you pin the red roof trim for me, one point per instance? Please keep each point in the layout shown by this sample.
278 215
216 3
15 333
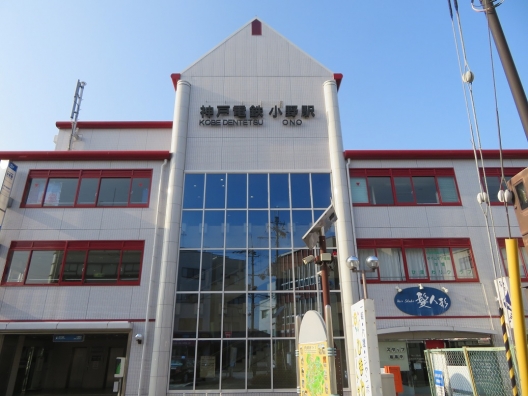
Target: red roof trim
431 154
338 77
116 124
175 78
85 155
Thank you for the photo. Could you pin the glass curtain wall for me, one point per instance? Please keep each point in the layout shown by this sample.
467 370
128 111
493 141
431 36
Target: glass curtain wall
241 280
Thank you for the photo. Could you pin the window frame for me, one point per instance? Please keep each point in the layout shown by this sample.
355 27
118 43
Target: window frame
393 173
450 243
70 246
501 242
81 174
497 172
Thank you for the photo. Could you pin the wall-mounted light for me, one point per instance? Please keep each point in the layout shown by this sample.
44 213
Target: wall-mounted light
398 289
420 286
445 289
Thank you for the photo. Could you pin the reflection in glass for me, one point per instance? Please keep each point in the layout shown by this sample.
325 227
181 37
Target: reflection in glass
380 190
341 355
258 270
305 275
210 315
215 191
425 188
321 191
258 229
235 270
102 266
233 364
185 313
300 190
302 221
333 275
284 364
88 191
280 228
281 269
188 270
306 301
329 233
259 365
234 315
130 265
260 311
404 191
337 314
279 191
36 191
258 191
73 266
283 315
182 365
208 365
193 191
236 225
44 267
191 229
213 229
140 190
60 192
113 191
237 191
212 270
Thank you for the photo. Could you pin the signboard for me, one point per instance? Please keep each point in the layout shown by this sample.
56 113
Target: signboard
366 352
439 382
425 301
68 338
394 353
5 190
207 367
503 292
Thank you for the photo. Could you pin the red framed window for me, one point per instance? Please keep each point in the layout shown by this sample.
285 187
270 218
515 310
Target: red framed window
87 188
74 263
403 187
420 260
493 181
523 258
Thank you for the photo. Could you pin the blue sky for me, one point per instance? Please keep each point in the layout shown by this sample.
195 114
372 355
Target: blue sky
401 86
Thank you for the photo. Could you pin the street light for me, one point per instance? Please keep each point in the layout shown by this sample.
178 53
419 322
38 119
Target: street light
354 265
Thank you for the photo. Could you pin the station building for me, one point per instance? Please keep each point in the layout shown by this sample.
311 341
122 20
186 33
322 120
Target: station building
178 245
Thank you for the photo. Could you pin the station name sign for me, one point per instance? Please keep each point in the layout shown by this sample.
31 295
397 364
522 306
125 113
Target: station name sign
238 115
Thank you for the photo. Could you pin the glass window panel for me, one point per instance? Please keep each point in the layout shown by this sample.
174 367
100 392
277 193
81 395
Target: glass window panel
258 270
329 233
234 315
308 301
363 254
17 266
283 363
235 270
439 264
259 310
281 269
337 314
102 266
425 190
188 270
36 191
185 316
521 193
210 315
283 314
302 221
236 226
213 229
416 263
258 229
321 190
182 365
140 190
74 265
208 365
341 355
191 229
44 267
358 188
114 192
212 270
333 274
300 190
305 275
88 191
279 191
448 190
60 192
404 191
236 191
233 364
259 364
215 191
258 191
463 263
280 229
193 191
380 191
130 265
493 184
390 264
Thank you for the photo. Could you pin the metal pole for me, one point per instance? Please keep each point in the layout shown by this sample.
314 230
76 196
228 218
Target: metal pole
324 275
365 296
508 65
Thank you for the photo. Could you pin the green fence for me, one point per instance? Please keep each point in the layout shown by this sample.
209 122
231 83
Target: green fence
468 371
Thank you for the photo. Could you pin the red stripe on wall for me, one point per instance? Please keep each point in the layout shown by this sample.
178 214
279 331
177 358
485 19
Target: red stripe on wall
431 154
85 155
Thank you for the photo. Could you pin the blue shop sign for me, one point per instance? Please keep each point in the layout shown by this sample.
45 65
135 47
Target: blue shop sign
68 338
427 301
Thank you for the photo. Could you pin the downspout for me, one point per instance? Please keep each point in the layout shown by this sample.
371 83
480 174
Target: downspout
149 295
353 222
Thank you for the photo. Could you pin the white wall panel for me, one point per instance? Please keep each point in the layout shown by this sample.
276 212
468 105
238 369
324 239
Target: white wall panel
37 235
135 139
445 216
88 219
407 216
67 303
109 302
158 139
122 218
123 234
79 234
24 303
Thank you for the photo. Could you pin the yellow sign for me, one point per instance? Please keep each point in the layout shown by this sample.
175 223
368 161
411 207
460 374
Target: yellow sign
314 367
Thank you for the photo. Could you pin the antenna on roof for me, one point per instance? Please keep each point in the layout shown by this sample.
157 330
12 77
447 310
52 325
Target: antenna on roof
77 98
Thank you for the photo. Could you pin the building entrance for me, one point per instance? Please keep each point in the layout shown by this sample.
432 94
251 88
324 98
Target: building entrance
71 364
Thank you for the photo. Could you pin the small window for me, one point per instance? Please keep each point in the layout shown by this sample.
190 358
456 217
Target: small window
493 181
523 258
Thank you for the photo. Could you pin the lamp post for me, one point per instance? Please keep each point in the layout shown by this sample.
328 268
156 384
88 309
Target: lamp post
372 264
